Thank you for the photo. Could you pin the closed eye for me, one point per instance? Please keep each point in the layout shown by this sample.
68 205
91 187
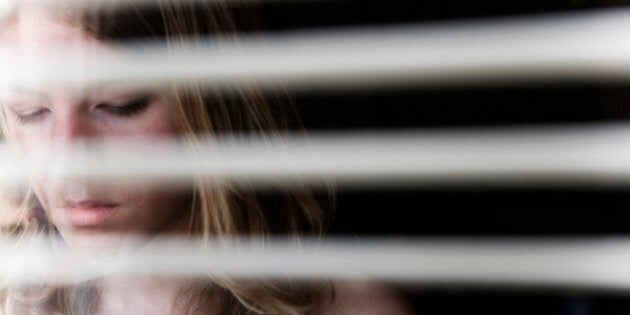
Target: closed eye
30 115
126 108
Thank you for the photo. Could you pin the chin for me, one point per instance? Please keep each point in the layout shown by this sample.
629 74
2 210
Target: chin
95 241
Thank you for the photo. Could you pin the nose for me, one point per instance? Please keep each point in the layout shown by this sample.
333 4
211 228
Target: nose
69 128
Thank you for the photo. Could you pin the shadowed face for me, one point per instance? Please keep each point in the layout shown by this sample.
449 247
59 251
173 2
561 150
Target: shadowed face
54 119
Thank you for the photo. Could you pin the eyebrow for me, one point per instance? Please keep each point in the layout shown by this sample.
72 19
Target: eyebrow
21 89
85 91
98 85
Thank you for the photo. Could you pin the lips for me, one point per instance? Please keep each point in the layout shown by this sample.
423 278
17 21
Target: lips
86 213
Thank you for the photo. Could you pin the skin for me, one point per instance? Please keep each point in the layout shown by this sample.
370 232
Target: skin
55 119
44 120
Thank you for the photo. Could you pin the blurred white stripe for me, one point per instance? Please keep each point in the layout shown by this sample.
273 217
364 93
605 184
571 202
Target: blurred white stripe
566 47
93 4
579 263
596 155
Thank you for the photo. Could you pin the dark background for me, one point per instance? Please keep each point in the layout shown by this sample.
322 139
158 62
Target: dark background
494 211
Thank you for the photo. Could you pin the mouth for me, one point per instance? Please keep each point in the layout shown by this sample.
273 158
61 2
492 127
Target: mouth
87 213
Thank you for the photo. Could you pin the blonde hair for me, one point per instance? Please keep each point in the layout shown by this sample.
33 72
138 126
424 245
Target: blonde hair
215 210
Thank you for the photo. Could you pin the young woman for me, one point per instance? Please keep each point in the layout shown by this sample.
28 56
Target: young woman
87 215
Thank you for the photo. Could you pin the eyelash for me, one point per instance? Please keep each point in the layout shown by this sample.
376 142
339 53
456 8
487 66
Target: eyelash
127 109
34 116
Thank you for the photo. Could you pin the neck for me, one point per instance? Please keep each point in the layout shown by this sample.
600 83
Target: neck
141 295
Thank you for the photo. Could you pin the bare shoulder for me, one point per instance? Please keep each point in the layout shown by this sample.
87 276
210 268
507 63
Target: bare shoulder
367 298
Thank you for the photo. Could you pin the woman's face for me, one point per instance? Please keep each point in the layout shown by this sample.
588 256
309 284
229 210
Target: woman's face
55 118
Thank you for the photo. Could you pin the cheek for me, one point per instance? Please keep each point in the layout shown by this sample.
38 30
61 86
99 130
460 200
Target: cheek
24 139
146 206
149 208
156 122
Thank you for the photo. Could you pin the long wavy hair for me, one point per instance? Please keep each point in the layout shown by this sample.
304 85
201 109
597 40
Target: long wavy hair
216 210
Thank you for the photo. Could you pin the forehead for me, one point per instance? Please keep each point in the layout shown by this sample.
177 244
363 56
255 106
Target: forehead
39 28
43 42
